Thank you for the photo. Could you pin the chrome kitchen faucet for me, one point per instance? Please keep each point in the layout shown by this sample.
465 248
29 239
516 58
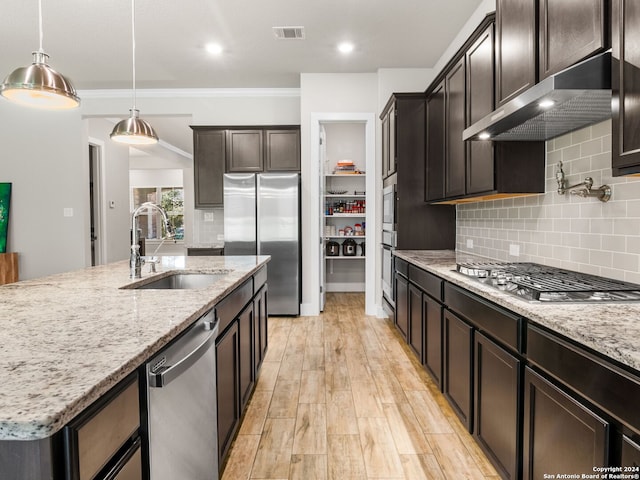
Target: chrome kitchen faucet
135 261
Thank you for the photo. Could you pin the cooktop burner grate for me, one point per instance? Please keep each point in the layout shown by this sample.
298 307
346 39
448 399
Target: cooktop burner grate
544 283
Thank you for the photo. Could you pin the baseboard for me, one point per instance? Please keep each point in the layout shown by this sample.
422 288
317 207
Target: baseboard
344 287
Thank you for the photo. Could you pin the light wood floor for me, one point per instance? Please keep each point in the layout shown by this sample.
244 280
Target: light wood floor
341 397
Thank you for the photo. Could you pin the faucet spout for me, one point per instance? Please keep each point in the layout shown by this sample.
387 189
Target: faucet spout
135 261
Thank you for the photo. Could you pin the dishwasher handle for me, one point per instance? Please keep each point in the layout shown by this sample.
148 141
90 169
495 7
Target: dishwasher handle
165 375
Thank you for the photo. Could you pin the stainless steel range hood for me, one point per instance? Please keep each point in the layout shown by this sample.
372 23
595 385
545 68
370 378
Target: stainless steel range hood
571 99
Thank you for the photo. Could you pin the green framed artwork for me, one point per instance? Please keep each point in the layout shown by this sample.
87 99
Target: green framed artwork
5 198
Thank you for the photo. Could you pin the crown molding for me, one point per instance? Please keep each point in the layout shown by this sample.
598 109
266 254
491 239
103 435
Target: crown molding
192 93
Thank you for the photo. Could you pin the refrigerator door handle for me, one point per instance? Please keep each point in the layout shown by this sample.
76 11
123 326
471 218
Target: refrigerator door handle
258 212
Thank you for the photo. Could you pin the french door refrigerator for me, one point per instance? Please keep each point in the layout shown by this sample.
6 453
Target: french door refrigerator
262 217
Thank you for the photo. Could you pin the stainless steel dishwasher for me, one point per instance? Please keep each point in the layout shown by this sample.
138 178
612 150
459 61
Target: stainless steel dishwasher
181 395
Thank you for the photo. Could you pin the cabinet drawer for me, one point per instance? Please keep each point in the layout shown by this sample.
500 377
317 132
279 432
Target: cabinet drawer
498 323
426 281
402 266
229 308
96 437
612 389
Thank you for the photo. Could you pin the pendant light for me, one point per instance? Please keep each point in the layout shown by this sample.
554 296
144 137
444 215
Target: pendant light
39 85
134 130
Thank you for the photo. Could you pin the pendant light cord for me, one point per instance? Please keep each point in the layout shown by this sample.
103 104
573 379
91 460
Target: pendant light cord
40 24
133 43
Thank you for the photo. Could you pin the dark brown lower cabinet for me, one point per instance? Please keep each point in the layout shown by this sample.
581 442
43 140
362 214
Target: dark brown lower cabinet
402 304
227 388
260 332
630 453
416 325
497 405
458 367
432 320
246 326
560 433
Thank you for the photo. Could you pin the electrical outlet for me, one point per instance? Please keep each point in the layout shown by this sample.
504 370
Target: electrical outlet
221 236
469 242
514 250
67 212
208 216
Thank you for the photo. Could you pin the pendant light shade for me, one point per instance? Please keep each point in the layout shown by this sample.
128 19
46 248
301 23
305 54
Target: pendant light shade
134 130
39 85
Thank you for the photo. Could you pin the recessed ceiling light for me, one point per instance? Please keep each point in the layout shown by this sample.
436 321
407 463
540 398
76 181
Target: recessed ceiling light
214 48
345 47
546 104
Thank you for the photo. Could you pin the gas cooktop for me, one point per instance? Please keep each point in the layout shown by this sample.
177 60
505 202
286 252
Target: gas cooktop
534 282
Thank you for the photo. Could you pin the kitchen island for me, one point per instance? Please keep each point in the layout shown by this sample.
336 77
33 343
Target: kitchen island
525 375
68 339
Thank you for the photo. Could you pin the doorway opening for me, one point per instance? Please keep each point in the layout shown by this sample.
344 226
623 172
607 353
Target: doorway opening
96 240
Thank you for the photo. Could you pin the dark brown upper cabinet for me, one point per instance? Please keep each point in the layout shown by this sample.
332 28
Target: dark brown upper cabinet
516 32
455 147
209 152
244 151
282 150
414 218
625 83
463 93
570 31
435 144
480 68
389 154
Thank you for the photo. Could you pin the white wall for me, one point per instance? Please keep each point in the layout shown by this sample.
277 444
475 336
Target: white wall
44 156
326 93
402 80
115 188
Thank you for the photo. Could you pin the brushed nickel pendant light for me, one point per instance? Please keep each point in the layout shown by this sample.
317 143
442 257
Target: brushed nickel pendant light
39 85
134 130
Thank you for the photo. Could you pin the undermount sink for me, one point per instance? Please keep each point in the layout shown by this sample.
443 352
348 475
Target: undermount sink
178 281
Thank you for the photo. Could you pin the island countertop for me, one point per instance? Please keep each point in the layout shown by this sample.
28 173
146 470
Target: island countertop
66 339
612 329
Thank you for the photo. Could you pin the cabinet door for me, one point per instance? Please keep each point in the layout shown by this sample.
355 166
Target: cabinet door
570 30
393 149
516 33
625 76
455 147
227 388
260 332
402 304
434 183
416 326
560 434
385 146
209 152
282 153
246 328
244 150
95 438
630 453
497 407
458 367
480 67
432 313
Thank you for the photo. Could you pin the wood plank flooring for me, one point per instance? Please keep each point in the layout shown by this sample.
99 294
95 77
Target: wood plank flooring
341 397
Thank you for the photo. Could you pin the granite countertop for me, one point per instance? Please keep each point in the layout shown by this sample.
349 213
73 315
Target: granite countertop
612 329
66 339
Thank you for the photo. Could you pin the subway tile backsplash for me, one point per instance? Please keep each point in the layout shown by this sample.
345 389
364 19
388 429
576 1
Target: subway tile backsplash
565 231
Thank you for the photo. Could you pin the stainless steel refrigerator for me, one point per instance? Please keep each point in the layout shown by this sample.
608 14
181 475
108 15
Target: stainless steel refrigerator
262 217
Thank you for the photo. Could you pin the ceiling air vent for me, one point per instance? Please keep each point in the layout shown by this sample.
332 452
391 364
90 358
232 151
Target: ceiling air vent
289 33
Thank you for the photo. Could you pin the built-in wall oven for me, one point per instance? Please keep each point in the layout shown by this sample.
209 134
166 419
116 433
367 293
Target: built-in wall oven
388 243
